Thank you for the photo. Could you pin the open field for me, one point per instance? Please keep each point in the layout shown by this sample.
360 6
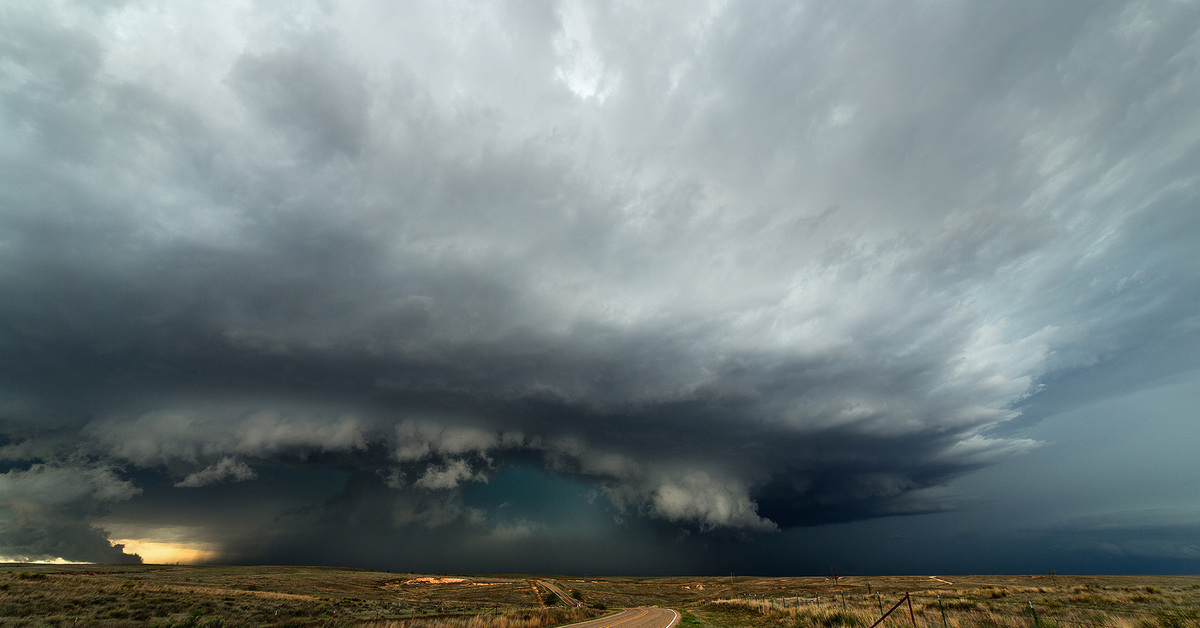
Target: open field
164 595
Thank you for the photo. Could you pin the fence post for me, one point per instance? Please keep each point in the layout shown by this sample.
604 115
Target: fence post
880 598
890 610
868 588
1034 611
911 616
843 601
943 609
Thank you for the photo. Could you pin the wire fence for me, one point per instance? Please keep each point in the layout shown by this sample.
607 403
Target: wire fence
1055 612
959 612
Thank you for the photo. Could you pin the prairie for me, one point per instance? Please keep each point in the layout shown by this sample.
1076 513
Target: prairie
214 596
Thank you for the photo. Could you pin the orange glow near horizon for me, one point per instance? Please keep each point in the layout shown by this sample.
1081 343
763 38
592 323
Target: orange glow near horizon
159 552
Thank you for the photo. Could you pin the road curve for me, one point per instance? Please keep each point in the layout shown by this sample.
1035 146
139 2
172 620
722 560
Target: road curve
559 592
633 618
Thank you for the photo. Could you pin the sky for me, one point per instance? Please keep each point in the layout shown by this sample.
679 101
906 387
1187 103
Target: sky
602 288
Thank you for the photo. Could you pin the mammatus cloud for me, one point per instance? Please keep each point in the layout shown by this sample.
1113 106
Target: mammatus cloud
739 269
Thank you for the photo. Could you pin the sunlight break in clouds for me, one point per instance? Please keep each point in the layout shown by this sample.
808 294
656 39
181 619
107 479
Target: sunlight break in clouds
163 553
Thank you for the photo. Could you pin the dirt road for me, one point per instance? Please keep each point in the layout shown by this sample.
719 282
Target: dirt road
561 595
633 618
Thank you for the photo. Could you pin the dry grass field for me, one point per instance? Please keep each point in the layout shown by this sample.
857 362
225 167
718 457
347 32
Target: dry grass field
211 596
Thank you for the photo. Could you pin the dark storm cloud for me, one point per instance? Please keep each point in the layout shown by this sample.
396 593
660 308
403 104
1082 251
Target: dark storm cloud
744 269
46 508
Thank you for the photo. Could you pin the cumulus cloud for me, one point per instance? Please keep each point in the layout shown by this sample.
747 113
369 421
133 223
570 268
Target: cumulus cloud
743 267
448 475
696 497
226 469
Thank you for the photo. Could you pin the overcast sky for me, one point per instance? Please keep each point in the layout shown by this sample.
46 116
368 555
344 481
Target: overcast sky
765 287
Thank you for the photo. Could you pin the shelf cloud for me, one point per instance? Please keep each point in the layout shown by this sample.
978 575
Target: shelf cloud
714 273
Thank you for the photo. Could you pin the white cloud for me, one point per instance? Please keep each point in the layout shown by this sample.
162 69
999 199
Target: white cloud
581 67
416 440
226 469
448 476
694 498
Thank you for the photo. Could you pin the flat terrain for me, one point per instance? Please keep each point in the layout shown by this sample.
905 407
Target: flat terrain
634 618
214 596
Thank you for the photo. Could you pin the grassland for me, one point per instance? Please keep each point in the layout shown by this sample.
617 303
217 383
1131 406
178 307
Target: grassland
117 596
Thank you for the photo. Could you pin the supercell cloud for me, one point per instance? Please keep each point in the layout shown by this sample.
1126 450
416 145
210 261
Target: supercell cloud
353 283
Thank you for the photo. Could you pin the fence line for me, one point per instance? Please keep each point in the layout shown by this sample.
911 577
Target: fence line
1056 613
1105 609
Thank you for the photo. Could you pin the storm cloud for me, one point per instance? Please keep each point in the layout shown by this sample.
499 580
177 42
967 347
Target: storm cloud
410 279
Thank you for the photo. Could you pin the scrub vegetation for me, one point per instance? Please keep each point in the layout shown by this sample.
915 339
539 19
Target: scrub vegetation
177 596
211 597
971 602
